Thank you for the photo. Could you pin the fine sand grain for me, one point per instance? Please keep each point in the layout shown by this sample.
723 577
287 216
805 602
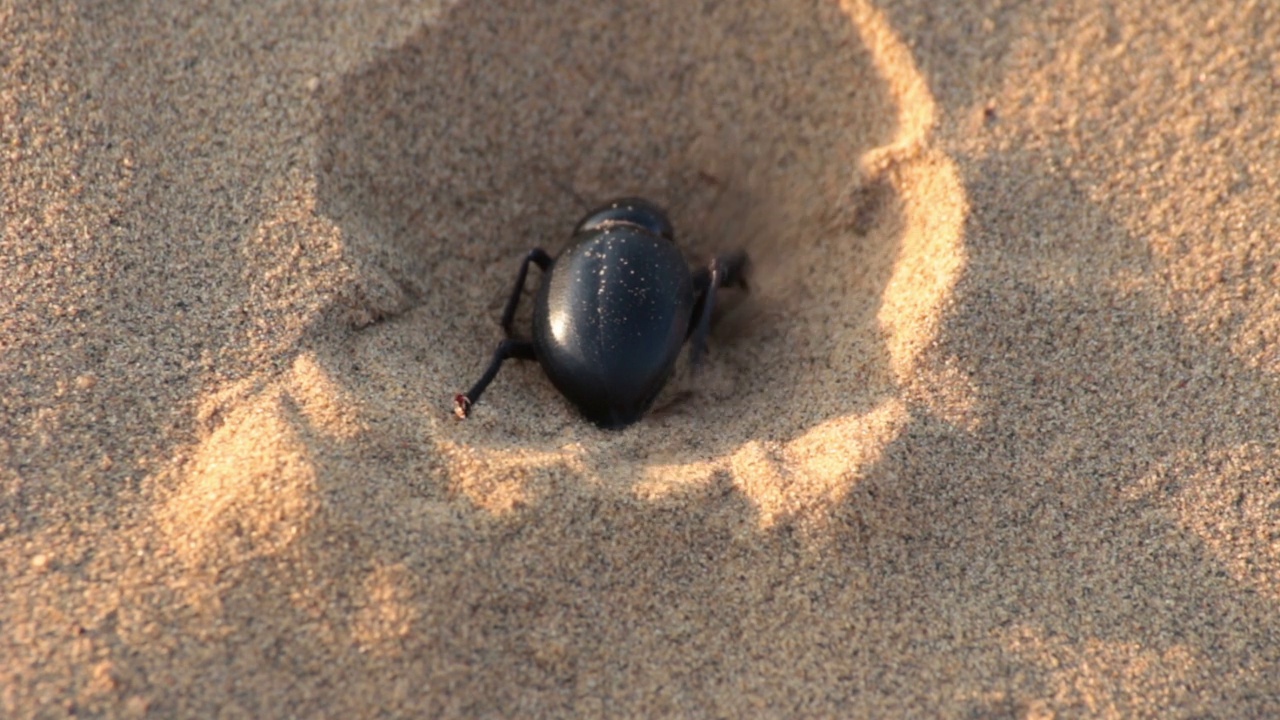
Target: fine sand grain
993 434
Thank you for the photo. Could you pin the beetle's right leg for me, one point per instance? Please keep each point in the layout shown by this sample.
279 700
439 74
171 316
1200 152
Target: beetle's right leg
538 257
723 271
507 349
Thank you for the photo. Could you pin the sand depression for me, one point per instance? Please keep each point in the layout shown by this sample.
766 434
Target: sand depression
802 136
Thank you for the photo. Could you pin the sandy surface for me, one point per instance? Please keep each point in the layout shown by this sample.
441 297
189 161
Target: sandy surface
993 435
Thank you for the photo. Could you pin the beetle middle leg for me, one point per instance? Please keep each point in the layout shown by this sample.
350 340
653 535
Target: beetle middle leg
507 349
538 257
723 271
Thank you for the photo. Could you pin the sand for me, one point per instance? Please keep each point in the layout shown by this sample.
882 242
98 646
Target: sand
993 434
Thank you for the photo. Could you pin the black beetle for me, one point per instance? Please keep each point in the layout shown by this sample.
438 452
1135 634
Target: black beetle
613 311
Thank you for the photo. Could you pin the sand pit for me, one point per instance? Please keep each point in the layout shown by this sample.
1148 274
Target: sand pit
991 435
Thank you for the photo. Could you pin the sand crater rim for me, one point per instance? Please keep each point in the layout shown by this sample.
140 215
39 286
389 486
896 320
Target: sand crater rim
453 153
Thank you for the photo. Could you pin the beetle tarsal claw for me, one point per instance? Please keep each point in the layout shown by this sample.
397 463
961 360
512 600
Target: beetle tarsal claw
461 406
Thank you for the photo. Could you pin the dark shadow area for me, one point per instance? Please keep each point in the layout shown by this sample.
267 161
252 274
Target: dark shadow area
1045 522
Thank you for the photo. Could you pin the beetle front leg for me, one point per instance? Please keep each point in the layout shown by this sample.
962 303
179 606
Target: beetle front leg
538 257
723 271
507 349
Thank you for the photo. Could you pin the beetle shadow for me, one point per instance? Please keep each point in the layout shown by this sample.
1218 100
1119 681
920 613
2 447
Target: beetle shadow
491 131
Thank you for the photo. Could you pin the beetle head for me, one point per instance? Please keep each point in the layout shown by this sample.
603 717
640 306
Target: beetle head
630 212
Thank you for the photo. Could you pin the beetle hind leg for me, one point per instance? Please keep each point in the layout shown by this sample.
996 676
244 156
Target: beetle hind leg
507 349
723 271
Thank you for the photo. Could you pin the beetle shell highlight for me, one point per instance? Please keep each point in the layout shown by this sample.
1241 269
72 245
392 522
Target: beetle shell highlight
610 319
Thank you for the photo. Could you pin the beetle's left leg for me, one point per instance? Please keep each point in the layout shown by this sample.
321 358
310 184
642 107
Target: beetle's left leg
507 349
723 271
538 257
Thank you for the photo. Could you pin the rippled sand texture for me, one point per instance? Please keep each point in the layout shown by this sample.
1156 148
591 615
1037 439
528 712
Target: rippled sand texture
993 434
